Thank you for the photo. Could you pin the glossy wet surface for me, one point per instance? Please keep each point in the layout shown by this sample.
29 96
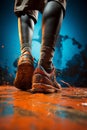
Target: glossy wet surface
24 111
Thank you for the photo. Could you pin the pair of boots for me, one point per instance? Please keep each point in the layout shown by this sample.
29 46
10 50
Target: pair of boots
35 80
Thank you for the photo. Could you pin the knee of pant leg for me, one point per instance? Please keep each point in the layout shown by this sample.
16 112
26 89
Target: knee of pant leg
52 9
27 20
24 18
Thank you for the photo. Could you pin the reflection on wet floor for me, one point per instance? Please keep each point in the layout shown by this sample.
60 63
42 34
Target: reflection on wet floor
22 110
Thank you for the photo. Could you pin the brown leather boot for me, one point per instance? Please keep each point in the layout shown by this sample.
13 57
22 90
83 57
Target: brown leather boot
24 72
44 82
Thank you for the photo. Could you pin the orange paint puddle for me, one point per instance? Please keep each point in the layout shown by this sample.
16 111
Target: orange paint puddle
25 111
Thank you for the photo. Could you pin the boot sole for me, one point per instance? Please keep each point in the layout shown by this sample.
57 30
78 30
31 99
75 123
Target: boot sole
43 88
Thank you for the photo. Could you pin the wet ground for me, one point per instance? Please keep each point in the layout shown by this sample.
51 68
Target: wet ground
61 111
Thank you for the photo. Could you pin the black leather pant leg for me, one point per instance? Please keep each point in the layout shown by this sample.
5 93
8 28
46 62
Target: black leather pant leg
52 19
